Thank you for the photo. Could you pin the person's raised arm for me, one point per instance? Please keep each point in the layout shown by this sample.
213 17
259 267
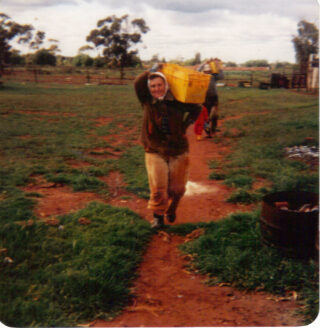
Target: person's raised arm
141 87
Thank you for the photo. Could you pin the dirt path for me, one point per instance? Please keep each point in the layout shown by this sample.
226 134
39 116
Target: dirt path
166 294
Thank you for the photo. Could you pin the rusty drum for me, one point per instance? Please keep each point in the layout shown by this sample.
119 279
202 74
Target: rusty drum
289 222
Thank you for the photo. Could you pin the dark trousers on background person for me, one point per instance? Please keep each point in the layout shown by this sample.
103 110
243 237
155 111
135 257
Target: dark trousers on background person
213 111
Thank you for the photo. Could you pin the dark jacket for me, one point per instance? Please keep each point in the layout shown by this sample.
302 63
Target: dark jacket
165 121
212 89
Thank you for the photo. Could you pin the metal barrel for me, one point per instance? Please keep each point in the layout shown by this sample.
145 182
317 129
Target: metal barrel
290 231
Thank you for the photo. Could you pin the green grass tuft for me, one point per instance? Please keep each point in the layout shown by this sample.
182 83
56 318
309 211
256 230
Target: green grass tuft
231 251
63 275
132 165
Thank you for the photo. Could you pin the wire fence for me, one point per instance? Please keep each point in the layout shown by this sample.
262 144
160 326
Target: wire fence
263 79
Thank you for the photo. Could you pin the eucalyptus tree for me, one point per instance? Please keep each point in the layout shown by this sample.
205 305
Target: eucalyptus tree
306 43
117 36
12 31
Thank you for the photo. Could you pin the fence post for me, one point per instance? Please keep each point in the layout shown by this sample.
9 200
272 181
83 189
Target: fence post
88 77
35 72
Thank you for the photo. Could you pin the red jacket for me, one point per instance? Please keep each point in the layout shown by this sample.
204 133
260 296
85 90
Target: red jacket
203 117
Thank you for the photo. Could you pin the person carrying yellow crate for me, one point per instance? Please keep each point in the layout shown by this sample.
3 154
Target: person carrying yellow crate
166 146
214 68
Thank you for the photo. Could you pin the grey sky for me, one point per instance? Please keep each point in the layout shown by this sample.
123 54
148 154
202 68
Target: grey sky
234 30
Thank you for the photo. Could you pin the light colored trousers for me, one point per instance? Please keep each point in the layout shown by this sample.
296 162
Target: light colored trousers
167 177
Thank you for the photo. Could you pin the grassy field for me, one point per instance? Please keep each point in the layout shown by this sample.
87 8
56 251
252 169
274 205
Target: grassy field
267 122
55 270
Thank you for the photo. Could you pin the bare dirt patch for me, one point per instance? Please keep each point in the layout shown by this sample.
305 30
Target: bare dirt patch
57 199
77 164
104 153
100 121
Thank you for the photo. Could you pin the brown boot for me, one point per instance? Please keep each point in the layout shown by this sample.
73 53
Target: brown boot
171 217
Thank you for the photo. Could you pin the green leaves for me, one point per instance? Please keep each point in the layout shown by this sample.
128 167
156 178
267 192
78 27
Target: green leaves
116 35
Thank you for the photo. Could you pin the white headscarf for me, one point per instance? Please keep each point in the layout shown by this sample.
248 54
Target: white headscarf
165 83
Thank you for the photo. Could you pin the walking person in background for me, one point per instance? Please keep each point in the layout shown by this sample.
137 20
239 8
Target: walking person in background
213 67
166 146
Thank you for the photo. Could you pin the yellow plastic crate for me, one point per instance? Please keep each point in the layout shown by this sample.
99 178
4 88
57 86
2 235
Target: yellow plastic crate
186 85
213 66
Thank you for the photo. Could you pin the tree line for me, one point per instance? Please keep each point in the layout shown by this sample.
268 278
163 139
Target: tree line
116 38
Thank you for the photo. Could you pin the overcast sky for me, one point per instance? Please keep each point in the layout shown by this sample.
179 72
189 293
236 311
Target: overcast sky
233 30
